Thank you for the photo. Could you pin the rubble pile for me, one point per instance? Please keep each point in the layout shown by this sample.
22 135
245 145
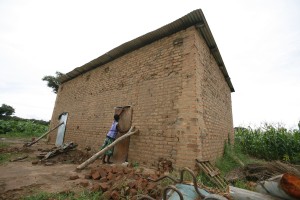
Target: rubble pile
117 182
164 165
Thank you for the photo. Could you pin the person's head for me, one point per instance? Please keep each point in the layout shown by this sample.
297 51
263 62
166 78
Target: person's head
116 117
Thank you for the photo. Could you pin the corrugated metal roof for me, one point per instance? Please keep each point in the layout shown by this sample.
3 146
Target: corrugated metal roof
195 17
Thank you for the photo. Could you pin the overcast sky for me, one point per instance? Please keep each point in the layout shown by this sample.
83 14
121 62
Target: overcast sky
258 40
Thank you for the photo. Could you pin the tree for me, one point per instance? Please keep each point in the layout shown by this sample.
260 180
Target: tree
6 110
53 81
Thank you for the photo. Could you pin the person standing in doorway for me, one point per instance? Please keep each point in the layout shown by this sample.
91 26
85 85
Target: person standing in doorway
110 138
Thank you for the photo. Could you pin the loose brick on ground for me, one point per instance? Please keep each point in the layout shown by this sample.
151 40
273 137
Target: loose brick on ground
84 183
102 172
103 186
96 175
115 195
132 192
74 177
95 187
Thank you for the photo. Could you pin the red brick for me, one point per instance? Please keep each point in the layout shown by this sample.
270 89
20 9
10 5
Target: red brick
110 176
103 179
131 184
95 187
84 183
74 177
115 195
133 192
103 186
102 172
151 186
96 175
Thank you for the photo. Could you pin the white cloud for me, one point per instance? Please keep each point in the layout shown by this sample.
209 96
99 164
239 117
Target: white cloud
258 41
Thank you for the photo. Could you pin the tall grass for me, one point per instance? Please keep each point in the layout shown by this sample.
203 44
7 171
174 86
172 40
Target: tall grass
270 143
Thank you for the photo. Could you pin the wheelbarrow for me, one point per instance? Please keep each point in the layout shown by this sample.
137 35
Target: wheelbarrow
182 191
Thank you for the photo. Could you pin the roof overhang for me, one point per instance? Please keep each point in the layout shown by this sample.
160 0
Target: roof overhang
195 18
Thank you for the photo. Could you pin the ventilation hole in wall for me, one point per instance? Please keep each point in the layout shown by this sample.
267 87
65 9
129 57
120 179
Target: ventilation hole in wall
91 93
87 77
178 42
77 127
106 69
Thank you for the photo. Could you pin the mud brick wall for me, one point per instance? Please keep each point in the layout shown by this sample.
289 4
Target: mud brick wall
163 83
214 104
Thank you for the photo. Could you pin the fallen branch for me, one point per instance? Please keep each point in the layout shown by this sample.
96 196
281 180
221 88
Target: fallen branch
95 156
19 158
35 141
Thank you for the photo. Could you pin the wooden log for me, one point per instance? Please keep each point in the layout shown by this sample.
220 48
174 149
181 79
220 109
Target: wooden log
96 155
242 194
19 158
35 141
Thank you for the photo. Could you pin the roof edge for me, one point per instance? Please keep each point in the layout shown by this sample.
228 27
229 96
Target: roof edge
195 17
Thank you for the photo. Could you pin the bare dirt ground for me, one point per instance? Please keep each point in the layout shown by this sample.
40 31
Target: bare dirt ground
22 178
58 174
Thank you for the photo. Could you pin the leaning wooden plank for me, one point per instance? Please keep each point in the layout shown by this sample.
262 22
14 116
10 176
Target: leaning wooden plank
241 194
35 141
207 168
95 156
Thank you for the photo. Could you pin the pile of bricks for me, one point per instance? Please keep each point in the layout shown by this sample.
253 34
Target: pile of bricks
164 165
117 182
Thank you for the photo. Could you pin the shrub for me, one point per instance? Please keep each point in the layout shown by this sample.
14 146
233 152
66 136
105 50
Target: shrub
22 128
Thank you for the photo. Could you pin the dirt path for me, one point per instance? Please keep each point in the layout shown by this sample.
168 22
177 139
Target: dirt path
22 178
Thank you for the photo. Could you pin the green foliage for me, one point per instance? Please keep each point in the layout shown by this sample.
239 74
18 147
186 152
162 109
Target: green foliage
232 158
22 128
135 164
68 196
3 145
15 118
270 143
52 81
6 110
4 157
204 180
242 183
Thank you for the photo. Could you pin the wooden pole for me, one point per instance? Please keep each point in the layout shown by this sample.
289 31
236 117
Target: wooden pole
35 141
96 155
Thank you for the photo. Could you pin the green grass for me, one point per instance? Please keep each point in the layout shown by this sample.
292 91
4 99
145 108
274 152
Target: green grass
85 195
204 180
3 145
233 158
4 157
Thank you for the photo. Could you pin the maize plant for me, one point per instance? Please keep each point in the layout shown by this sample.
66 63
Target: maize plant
270 143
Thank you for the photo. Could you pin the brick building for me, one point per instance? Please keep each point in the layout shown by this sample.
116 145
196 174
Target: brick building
177 85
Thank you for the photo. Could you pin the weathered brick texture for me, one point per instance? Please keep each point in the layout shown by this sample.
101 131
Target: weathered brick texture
181 101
